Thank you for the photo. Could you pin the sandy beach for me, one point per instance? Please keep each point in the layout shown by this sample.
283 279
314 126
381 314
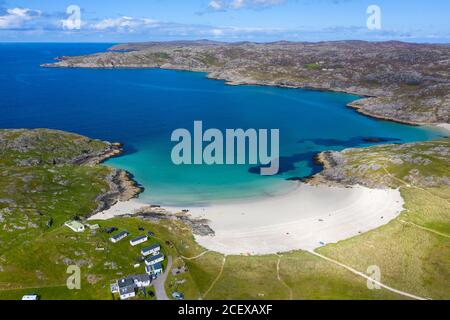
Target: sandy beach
444 126
305 218
119 209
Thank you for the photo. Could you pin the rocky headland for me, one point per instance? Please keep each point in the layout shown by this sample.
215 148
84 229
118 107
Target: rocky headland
404 82
37 154
421 164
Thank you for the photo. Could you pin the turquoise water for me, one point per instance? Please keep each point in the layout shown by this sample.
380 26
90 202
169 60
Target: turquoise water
141 108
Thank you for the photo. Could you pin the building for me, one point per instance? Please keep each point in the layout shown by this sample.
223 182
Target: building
110 229
126 287
93 226
119 236
30 297
153 249
138 240
154 259
154 270
75 226
142 280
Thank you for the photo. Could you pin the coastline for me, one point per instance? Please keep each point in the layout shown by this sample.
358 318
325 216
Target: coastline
257 226
444 126
303 219
122 185
213 73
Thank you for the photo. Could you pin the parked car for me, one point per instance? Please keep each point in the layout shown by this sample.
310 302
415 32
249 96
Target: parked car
110 229
178 296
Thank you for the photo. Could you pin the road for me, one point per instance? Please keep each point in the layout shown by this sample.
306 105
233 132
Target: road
160 290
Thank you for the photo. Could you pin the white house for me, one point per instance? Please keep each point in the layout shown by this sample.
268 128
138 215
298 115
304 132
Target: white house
126 287
93 226
75 226
142 280
119 236
154 270
153 249
154 259
138 240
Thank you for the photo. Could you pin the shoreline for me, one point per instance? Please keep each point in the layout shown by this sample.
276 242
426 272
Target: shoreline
356 105
312 216
123 186
300 227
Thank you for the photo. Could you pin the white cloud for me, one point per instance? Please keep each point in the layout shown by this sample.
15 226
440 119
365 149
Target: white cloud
125 24
218 5
217 32
215 5
17 17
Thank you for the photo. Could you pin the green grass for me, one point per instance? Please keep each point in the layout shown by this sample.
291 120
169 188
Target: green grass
40 266
410 259
307 276
312 66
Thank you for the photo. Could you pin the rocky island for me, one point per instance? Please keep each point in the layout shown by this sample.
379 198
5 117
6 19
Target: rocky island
404 82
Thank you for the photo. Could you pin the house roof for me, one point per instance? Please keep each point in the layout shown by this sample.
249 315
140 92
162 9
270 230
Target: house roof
120 235
152 247
127 290
125 282
141 277
139 238
152 258
156 266
74 224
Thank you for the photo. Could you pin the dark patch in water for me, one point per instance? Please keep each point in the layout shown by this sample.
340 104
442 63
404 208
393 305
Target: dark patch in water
288 163
128 149
352 142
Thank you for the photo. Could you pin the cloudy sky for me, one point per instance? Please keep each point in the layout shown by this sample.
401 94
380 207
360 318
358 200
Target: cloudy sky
226 20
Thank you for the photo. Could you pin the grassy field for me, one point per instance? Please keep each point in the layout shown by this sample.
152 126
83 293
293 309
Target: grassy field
40 267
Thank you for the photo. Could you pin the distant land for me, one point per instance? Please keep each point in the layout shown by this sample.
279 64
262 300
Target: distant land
403 82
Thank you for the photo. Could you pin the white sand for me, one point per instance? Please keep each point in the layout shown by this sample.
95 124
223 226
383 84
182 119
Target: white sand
305 218
445 126
119 209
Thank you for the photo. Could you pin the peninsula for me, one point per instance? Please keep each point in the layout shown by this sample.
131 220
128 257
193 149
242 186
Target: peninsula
404 82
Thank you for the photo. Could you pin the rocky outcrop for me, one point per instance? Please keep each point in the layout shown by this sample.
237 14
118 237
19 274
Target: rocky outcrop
122 187
422 164
55 149
199 226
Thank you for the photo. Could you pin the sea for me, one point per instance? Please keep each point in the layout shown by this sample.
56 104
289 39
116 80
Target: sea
142 107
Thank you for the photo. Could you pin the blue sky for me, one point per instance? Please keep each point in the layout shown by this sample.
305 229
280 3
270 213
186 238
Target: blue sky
226 20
